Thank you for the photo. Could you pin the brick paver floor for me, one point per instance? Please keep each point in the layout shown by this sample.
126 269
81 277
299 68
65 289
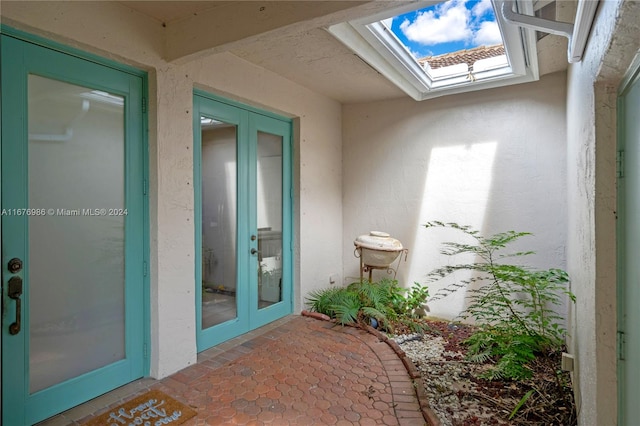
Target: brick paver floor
296 371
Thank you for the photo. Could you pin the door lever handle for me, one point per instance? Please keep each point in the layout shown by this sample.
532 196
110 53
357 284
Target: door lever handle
14 292
254 251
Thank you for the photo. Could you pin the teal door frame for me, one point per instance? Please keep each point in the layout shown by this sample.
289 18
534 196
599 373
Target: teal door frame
24 54
249 122
628 246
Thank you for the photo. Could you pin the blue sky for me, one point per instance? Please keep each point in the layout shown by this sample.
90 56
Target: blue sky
447 27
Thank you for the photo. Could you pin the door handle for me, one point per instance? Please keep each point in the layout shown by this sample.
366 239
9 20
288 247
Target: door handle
14 292
254 251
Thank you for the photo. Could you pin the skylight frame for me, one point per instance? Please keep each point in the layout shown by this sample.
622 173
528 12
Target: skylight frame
376 44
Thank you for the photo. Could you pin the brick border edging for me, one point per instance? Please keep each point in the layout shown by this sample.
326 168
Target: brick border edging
428 414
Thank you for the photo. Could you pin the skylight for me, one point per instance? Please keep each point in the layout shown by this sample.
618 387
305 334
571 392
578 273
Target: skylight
432 48
446 27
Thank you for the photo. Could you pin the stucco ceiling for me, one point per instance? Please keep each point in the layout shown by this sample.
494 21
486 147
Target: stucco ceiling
289 38
171 11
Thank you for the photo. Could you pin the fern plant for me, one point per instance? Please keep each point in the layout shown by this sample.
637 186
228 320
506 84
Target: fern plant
512 304
384 301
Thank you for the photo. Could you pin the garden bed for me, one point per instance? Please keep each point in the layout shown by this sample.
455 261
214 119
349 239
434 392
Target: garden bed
459 397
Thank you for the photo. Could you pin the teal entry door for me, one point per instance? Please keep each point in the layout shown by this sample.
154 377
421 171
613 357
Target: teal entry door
72 230
242 169
628 253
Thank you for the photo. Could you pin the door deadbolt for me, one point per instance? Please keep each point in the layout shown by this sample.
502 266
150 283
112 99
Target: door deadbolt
14 265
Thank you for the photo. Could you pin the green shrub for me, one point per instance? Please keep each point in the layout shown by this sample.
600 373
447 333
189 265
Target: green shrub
512 305
384 301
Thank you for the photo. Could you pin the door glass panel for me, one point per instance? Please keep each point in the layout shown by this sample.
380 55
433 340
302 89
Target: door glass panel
76 238
219 183
269 216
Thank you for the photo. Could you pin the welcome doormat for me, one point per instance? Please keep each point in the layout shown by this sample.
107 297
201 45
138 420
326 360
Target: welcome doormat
153 408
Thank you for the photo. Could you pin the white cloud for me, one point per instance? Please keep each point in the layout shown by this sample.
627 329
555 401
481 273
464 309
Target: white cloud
481 8
449 22
421 54
487 34
452 21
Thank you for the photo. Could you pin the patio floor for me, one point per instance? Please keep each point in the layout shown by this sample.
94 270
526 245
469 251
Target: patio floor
294 371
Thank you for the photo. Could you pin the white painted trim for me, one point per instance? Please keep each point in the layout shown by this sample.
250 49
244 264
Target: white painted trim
577 33
632 74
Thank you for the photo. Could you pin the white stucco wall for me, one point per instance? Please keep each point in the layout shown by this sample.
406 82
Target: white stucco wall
502 164
591 138
113 31
494 160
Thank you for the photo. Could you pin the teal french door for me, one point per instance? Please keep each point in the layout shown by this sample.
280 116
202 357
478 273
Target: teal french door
628 235
242 175
73 229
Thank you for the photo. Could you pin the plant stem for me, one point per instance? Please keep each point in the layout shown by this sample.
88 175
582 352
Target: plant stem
496 282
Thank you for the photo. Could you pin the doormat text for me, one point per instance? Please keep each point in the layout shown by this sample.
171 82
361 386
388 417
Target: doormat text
153 408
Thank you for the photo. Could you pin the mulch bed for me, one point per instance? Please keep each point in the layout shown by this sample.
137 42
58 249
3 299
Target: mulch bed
492 402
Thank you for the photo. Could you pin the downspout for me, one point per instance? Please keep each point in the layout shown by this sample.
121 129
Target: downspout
577 33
